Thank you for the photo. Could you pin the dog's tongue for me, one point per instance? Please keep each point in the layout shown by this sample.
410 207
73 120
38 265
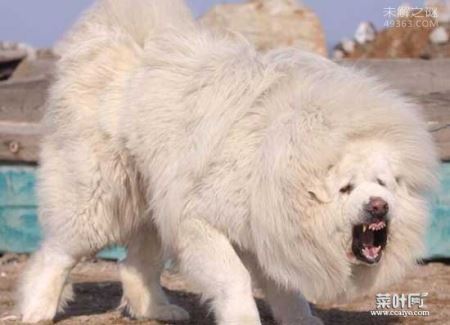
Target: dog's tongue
371 252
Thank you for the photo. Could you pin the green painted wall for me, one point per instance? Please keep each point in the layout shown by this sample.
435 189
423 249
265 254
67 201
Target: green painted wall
438 235
19 229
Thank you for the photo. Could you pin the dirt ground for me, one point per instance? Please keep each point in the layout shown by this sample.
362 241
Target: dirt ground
98 294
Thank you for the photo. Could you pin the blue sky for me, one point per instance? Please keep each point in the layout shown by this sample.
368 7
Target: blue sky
42 22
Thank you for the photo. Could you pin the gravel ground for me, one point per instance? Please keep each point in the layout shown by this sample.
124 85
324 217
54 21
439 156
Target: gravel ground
98 294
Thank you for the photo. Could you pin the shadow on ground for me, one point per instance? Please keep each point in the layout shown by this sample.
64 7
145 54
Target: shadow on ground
94 298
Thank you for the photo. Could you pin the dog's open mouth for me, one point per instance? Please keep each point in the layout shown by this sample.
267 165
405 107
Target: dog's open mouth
369 240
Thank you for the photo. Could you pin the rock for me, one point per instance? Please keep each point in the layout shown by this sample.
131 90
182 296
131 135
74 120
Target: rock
348 46
442 10
276 7
11 54
365 33
269 24
9 258
338 54
439 35
343 49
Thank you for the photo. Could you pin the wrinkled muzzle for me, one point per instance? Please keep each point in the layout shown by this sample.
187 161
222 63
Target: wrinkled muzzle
370 231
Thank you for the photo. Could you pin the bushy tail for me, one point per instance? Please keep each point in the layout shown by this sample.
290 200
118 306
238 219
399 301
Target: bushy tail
134 19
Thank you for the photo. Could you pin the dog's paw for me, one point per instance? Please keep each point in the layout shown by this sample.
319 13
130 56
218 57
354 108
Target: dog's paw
37 315
163 312
9 317
67 296
35 310
168 313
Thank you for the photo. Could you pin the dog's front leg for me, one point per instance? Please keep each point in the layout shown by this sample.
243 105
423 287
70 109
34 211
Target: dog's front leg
288 307
208 259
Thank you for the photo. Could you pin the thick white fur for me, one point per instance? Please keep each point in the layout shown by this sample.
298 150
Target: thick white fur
160 133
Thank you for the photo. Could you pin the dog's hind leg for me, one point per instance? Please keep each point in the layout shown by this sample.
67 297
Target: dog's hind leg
140 272
42 283
77 214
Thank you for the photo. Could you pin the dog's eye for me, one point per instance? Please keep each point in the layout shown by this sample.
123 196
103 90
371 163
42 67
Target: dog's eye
380 182
346 189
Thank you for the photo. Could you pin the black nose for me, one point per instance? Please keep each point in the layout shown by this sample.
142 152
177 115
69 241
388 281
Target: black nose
377 207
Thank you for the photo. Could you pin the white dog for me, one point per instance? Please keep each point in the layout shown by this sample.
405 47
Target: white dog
176 142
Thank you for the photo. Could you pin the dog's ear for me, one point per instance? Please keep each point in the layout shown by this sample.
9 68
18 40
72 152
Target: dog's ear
318 189
319 192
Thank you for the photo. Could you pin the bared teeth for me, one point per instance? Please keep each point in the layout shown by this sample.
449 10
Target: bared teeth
377 226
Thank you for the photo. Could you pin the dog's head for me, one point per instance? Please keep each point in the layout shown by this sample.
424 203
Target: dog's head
364 187
379 217
340 206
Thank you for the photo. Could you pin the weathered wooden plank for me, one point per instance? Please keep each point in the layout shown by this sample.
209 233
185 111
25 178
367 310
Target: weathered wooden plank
40 67
442 138
426 81
417 77
23 101
19 141
438 234
19 228
437 111
21 110
17 186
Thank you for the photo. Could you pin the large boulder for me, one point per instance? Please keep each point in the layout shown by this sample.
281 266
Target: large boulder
270 24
